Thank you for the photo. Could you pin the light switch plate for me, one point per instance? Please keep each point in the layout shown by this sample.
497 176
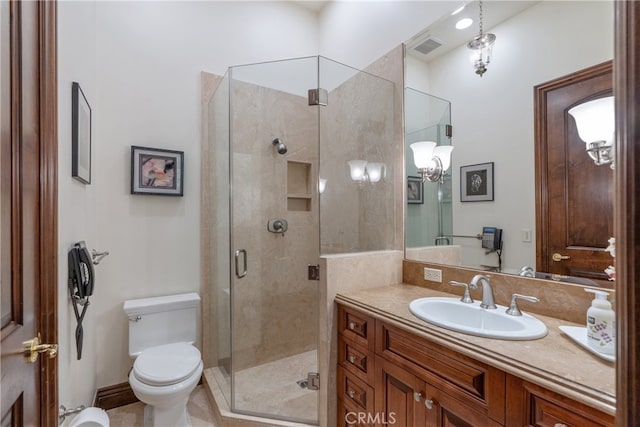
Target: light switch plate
433 274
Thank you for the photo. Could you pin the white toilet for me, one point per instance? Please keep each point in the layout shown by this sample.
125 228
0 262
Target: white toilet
90 417
167 366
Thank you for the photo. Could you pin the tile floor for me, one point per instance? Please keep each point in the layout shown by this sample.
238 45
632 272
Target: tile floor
198 407
282 396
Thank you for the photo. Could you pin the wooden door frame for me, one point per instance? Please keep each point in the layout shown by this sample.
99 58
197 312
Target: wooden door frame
626 87
47 286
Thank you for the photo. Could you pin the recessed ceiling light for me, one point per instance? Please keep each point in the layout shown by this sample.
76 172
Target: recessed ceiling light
458 10
464 23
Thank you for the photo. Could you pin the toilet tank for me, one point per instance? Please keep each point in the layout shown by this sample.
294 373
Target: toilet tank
161 320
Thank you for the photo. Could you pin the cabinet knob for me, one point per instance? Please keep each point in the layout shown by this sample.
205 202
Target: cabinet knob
352 359
351 393
417 396
560 425
352 325
428 403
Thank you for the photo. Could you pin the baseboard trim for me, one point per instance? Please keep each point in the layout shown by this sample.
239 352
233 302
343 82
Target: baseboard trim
115 396
118 395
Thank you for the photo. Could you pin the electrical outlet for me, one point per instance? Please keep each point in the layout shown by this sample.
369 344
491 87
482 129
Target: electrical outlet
433 274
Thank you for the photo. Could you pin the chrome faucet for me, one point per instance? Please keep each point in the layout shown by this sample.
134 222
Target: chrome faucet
487 291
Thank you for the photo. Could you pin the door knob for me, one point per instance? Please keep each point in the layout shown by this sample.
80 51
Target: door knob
33 347
558 257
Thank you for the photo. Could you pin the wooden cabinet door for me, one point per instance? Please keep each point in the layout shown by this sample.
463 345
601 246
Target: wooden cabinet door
396 399
438 409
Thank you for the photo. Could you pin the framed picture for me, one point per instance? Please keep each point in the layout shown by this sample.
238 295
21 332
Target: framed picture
155 171
415 193
80 135
476 182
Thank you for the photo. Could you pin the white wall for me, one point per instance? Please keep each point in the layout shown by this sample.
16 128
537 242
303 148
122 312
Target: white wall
76 201
140 63
358 32
493 115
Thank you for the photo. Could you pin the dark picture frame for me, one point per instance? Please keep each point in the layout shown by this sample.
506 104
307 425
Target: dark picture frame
80 135
476 182
415 190
157 171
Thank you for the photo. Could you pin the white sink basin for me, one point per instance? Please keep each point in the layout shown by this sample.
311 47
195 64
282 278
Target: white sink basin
451 313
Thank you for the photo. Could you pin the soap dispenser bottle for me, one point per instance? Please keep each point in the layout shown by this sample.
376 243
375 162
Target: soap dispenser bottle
601 326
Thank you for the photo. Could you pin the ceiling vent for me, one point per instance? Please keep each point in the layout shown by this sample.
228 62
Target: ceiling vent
428 45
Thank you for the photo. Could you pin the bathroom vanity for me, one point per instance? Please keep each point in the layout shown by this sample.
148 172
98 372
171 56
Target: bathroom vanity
395 369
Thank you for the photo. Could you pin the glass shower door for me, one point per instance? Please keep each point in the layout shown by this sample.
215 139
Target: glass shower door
274 237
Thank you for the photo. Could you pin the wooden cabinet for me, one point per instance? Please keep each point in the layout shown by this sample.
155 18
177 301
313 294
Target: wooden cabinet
388 376
532 405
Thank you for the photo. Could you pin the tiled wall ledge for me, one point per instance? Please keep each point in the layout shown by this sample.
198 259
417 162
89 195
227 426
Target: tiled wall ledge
560 300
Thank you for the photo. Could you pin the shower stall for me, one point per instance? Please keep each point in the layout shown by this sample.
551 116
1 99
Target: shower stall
281 135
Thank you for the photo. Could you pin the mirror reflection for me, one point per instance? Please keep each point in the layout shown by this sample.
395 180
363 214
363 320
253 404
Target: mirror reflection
492 127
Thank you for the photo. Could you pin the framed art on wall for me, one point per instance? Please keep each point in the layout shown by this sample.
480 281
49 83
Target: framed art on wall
156 171
476 182
80 135
415 193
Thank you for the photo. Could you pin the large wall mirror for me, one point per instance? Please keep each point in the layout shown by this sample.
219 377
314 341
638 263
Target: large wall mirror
492 118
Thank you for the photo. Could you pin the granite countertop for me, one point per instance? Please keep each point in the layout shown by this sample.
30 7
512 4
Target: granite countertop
554 362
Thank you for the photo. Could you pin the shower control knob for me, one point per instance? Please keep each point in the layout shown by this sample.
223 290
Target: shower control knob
277 225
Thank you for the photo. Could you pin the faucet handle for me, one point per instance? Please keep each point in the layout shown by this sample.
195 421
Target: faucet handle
466 298
513 309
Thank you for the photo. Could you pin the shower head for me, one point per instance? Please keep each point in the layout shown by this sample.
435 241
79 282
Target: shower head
281 147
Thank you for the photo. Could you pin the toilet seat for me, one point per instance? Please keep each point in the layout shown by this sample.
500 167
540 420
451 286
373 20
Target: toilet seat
167 364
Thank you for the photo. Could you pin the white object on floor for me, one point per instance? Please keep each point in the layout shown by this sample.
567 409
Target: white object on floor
579 335
90 417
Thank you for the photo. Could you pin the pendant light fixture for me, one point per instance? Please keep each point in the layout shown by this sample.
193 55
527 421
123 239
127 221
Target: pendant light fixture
481 46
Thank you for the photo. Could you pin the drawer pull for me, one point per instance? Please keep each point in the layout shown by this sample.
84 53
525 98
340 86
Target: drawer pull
352 326
417 396
560 425
352 394
352 359
428 403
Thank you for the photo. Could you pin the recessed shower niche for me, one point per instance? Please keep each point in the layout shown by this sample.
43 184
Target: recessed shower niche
298 186
265 310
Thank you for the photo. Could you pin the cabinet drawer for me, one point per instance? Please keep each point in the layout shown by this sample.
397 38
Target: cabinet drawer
532 405
354 391
351 417
356 360
356 327
459 376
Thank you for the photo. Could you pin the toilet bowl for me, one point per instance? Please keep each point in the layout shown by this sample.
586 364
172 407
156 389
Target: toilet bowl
167 367
163 377
90 417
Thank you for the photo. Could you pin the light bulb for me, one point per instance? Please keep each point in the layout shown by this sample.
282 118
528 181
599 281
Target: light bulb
443 152
357 169
595 120
374 171
422 153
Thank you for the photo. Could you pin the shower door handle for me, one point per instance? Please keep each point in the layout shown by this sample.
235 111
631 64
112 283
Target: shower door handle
239 274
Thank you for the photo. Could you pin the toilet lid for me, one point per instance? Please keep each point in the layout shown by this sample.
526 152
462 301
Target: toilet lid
166 364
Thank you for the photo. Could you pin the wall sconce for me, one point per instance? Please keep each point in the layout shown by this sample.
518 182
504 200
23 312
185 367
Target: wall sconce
358 170
481 45
431 160
322 185
375 171
362 171
595 121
